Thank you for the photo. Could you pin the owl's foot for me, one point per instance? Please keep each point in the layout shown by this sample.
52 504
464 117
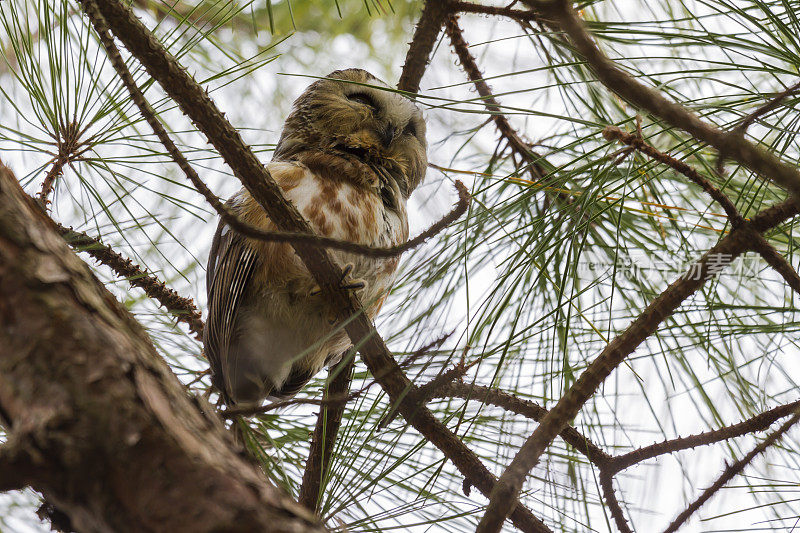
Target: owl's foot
351 284
345 283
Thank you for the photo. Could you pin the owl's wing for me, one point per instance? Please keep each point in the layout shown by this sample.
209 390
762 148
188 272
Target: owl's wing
230 266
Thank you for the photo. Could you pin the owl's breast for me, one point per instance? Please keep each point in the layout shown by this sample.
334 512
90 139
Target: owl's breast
345 209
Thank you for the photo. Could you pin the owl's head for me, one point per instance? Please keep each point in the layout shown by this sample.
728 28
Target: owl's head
355 114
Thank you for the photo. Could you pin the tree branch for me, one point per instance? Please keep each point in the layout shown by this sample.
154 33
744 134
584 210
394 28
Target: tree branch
759 422
560 15
526 408
516 14
123 447
17 468
766 108
607 486
328 422
182 308
419 50
473 72
722 254
778 263
730 472
614 133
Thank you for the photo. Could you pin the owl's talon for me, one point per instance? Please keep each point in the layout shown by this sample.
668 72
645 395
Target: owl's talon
352 284
344 283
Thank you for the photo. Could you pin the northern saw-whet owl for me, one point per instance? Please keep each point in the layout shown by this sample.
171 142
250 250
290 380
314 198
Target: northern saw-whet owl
349 156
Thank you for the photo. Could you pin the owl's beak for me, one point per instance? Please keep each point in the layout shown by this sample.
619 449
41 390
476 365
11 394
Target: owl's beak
388 135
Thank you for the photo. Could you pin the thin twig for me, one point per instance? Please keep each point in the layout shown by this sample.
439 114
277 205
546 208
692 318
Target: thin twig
516 14
613 133
234 412
424 350
182 308
730 472
756 423
778 263
68 146
766 108
470 66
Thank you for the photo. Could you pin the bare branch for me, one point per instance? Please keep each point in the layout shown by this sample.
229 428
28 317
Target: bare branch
68 146
766 108
182 308
560 15
730 472
328 422
759 422
607 486
635 141
526 408
419 50
516 14
472 70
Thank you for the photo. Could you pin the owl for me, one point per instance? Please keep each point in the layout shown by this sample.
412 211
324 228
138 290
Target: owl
350 154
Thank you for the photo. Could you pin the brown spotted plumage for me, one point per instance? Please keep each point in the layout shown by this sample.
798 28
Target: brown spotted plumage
350 153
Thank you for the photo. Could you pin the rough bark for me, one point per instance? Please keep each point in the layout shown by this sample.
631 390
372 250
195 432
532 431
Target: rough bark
96 421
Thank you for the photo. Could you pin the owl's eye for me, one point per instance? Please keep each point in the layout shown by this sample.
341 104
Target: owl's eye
410 129
363 98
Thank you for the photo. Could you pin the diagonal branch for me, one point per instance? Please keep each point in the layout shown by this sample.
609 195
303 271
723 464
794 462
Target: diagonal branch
121 446
635 141
562 17
224 211
68 146
606 479
328 422
722 254
777 262
472 70
731 471
182 308
196 103
766 108
419 50
759 422
526 408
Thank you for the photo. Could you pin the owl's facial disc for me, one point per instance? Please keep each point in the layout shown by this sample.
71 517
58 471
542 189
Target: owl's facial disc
355 114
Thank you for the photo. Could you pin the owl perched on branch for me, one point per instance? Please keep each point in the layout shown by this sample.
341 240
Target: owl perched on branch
349 156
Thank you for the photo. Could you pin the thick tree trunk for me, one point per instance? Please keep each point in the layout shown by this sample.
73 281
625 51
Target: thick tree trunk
96 420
